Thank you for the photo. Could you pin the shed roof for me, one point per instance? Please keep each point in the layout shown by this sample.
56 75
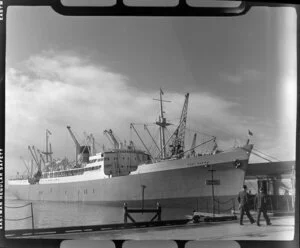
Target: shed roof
270 169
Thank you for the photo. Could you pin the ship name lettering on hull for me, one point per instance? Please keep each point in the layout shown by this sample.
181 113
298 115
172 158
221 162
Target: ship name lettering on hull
199 163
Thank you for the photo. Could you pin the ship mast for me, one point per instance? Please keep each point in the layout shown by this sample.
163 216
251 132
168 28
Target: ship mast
47 144
162 123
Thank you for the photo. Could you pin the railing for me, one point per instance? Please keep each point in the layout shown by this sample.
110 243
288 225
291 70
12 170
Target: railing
230 209
25 218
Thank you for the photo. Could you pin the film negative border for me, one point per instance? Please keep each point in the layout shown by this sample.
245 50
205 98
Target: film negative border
2 114
120 9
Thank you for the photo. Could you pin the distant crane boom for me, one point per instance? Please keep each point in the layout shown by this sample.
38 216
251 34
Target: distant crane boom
74 138
111 137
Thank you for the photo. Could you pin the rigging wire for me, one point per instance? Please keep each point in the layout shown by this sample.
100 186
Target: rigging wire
266 154
192 130
254 153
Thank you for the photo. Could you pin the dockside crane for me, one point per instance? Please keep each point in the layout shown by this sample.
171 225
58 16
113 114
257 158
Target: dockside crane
77 145
177 142
111 137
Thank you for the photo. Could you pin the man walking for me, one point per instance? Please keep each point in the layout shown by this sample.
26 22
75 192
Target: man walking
261 205
243 200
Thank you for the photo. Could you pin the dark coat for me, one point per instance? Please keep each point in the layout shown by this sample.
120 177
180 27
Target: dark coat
261 200
243 199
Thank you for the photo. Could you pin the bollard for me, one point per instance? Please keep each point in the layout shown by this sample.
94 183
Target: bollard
158 211
125 212
32 220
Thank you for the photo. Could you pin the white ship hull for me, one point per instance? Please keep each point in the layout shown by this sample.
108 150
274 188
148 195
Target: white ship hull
165 181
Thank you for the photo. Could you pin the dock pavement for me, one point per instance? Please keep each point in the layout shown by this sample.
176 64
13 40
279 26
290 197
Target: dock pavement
282 228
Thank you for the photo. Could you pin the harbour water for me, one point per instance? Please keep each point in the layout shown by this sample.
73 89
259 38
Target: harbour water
61 214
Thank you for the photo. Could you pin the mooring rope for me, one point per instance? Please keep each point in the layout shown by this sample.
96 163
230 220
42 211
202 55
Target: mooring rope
19 219
18 206
225 202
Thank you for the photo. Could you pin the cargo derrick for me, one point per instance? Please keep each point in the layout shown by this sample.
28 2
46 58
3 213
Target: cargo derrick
122 160
177 142
93 144
36 177
25 166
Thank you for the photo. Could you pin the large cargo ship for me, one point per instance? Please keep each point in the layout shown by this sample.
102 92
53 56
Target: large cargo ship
127 174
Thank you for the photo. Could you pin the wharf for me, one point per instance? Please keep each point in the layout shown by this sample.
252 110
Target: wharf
282 229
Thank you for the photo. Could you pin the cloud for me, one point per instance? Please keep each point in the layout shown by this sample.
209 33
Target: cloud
241 76
54 89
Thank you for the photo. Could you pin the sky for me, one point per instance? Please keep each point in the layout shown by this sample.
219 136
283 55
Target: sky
97 73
